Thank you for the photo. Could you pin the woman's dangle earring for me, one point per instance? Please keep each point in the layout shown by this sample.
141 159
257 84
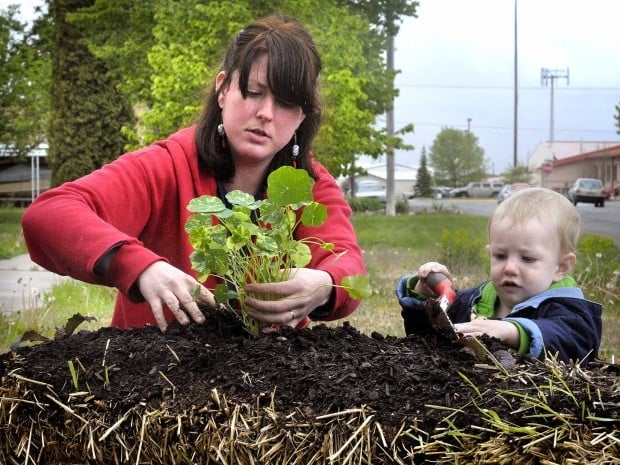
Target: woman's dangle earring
295 151
221 135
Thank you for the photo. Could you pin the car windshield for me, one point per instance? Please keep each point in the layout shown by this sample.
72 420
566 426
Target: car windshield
591 184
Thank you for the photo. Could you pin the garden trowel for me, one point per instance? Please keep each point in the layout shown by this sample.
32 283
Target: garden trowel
437 308
437 313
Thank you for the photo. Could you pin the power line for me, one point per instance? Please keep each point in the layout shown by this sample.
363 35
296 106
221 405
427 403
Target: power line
504 128
493 87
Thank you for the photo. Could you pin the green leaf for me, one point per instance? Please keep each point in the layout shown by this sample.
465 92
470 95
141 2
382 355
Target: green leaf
216 261
271 214
197 258
357 286
223 294
314 214
300 254
242 199
239 238
205 237
327 246
206 204
240 217
290 186
267 246
196 221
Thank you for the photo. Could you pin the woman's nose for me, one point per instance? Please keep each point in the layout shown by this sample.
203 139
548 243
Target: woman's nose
265 108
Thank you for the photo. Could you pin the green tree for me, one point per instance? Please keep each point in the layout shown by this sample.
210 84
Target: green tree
24 83
456 157
519 173
87 110
423 187
182 61
120 32
617 118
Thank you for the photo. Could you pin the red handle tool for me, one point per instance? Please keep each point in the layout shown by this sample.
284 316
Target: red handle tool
437 309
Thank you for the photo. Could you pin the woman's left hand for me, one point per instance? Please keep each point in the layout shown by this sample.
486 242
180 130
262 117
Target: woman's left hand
306 290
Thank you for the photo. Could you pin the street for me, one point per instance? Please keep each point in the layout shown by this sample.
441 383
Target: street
600 221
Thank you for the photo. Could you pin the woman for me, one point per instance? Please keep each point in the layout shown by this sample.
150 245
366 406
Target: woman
124 224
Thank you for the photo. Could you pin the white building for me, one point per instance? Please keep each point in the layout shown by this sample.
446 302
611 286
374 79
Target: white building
552 155
405 177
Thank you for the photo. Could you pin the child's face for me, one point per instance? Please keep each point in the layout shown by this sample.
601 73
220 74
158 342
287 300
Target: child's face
525 259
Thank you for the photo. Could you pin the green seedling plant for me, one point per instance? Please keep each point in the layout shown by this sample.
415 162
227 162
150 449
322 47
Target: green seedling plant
253 242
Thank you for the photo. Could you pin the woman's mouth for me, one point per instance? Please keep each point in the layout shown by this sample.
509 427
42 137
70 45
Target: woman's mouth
258 132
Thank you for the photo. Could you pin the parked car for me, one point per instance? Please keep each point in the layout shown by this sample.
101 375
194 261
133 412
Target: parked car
440 192
370 189
509 189
587 190
478 189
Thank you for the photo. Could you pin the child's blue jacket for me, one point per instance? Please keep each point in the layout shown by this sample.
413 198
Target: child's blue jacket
558 321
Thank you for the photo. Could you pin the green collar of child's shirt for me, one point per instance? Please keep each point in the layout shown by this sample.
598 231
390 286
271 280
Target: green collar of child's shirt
485 307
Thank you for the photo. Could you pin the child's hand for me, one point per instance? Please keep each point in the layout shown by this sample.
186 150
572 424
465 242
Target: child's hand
505 331
424 271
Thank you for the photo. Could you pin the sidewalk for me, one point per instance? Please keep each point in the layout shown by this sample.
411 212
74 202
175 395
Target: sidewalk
23 283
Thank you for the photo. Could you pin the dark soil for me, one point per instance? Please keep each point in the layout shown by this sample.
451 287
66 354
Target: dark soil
317 370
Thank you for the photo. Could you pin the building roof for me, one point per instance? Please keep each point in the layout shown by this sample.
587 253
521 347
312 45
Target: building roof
613 151
559 150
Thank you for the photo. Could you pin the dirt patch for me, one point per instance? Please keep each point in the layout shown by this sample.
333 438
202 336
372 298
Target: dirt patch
428 384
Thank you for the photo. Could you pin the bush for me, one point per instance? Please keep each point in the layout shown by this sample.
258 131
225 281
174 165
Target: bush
403 207
461 253
361 205
597 273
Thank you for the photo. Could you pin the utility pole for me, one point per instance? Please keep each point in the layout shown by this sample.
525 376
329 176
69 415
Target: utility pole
390 206
468 124
550 75
516 98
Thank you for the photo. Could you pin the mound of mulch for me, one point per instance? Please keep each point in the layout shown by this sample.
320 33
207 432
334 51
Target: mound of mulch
212 394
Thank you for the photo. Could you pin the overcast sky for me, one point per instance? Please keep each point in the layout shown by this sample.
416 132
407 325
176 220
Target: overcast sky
457 63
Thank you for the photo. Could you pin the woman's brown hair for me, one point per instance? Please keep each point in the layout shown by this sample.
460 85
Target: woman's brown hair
293 72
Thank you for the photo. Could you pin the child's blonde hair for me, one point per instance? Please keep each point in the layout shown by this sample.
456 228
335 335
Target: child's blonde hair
542 203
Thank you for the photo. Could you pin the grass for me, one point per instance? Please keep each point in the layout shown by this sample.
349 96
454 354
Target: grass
61 303
11 237
392 247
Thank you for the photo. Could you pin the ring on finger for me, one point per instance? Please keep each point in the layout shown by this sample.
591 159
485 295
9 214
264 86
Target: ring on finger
292 314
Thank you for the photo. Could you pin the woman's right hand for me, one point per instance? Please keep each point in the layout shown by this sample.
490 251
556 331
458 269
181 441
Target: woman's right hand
162 284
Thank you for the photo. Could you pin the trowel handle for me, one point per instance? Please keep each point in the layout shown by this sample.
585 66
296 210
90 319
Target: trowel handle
441 285
434 278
